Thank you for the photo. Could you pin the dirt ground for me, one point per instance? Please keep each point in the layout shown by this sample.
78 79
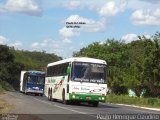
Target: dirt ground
4 106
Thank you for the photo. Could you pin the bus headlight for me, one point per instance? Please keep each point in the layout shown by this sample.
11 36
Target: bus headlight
102 98
73 96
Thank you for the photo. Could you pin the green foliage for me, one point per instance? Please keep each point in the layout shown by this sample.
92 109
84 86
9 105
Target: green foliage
115 54
6 86
134 65
1 89
125 99
35 60
13 61
9 68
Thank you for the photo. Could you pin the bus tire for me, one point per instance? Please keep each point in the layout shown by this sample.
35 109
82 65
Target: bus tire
95 104
26 93
64 101
49 95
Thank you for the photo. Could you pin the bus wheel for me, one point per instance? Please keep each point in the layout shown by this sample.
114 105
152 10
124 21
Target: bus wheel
64 101
95 104
25 92
49 95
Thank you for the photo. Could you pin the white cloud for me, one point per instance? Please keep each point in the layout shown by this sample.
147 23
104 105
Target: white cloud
3 40
152 1
132 37
147 36
2 10
66 40
49 43
129 37
142 4
111 8
101 42
58 47
72 5
157 12
30 7
36 45
102 6
68 32
146 17
17 45
90 24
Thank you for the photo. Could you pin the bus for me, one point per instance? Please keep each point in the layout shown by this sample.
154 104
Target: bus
79 79
32 82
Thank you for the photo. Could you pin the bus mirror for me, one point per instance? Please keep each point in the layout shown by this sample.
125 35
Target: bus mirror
68 70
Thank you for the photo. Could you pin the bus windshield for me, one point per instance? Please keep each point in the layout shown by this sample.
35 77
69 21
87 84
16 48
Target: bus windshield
89 72
36 79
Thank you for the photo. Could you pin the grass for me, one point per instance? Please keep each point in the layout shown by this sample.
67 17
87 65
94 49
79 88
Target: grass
125 99
4 106
5 86
1 89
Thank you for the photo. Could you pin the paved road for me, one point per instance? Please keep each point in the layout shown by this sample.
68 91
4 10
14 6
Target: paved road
39 108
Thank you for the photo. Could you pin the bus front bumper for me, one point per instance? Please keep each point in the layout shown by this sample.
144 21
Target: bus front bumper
87 97
34 91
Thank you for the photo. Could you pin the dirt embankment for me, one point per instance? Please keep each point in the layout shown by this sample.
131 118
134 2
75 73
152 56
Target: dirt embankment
4 106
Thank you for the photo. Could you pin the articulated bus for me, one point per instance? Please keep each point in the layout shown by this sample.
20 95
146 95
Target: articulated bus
79 79
32 82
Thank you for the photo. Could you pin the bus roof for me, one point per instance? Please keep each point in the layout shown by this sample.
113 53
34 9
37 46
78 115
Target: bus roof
33 72
78 59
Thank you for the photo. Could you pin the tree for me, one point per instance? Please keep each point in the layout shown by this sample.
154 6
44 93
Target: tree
9 69
115 54
134 65
134 74
152 65
13 61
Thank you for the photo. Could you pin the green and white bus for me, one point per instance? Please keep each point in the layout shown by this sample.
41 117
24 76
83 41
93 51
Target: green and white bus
79 79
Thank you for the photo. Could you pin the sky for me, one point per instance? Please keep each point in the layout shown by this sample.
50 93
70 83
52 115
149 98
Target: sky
66 26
